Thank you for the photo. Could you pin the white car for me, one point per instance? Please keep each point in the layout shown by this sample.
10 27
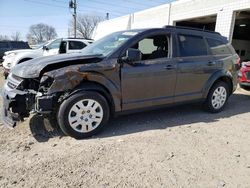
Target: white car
53 47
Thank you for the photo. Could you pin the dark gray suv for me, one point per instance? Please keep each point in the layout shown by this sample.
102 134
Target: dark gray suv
126 71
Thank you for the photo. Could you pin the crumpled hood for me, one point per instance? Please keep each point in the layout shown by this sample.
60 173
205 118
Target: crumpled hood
33 68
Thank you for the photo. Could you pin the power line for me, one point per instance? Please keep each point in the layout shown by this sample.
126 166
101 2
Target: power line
46 4
111 4
60 6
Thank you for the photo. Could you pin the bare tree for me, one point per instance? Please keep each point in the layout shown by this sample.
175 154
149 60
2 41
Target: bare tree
4 37
86 24
16 36
41 32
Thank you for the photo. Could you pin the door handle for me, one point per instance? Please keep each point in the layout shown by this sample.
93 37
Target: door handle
211 63
169 67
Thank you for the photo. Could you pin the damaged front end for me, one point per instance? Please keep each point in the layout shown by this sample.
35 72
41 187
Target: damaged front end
22 97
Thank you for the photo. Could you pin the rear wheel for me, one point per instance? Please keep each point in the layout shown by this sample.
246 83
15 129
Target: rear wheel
83 114
217 97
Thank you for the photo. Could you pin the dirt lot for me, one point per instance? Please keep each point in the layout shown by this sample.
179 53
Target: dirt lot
175 147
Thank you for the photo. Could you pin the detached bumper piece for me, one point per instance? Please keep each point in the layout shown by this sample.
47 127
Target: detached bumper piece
13 110
9 119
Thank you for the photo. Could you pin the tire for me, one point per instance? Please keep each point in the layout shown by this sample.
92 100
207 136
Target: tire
83 114
217 97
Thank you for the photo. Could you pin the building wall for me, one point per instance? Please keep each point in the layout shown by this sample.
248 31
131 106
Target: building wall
110 26
178 11
242 45
154 17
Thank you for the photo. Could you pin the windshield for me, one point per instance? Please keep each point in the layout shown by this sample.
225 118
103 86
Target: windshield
41 45
108 44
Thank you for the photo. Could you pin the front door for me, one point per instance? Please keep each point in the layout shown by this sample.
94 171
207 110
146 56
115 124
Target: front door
52 48
150 81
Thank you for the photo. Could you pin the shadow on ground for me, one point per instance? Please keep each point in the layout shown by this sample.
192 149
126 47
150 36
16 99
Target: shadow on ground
152 120
43 130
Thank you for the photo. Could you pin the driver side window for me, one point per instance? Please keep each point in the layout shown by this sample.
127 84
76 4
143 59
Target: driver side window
153 47
55 44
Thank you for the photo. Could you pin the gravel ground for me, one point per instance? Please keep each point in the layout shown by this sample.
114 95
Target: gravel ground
174 147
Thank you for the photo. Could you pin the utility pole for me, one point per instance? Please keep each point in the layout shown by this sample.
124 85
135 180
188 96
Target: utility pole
107 16
73 5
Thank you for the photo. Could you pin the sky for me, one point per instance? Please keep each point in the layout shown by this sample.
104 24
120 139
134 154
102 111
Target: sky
18 15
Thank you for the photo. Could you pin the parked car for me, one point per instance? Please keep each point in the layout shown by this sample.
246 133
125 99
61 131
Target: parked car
126 71
11 45
244 75
53 47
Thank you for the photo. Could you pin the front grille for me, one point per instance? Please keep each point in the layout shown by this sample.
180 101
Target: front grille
248 75
14 81
11 85
16 77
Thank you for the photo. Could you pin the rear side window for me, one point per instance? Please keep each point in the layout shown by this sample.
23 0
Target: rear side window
76 45
190 45
4 45
218 47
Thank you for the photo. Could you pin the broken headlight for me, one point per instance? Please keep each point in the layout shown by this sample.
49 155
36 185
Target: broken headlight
46 81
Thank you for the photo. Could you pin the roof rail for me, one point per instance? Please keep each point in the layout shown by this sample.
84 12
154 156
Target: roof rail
79 38
191 28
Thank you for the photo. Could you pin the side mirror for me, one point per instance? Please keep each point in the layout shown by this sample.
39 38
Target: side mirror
45 48
132 55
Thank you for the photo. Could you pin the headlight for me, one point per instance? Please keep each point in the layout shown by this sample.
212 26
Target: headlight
46 81
11 54
9 65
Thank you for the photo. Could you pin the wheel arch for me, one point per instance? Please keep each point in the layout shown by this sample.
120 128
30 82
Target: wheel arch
24 59
96 87
218 76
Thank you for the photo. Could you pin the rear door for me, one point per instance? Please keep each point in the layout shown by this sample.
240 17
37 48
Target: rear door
195 67
150 81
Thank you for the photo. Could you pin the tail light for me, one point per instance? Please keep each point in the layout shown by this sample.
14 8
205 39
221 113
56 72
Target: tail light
238 61
238 64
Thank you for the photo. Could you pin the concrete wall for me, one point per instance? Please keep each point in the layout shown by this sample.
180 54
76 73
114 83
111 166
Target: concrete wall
154 17
110 26
178 11
224 9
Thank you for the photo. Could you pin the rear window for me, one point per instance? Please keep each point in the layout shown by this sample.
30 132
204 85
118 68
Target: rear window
192 46
4 45
76 45
218 47
19 45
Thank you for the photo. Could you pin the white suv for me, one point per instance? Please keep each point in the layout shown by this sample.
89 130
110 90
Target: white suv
53 47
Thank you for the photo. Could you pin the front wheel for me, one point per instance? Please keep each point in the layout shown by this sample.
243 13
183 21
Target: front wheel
217 97
83 114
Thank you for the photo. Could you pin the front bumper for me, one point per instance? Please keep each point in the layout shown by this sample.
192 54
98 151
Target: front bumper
9 119
245 84
14 107
10 115
17 104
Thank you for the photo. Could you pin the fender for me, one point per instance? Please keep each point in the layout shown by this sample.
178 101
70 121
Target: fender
75 81
93 86
216 76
